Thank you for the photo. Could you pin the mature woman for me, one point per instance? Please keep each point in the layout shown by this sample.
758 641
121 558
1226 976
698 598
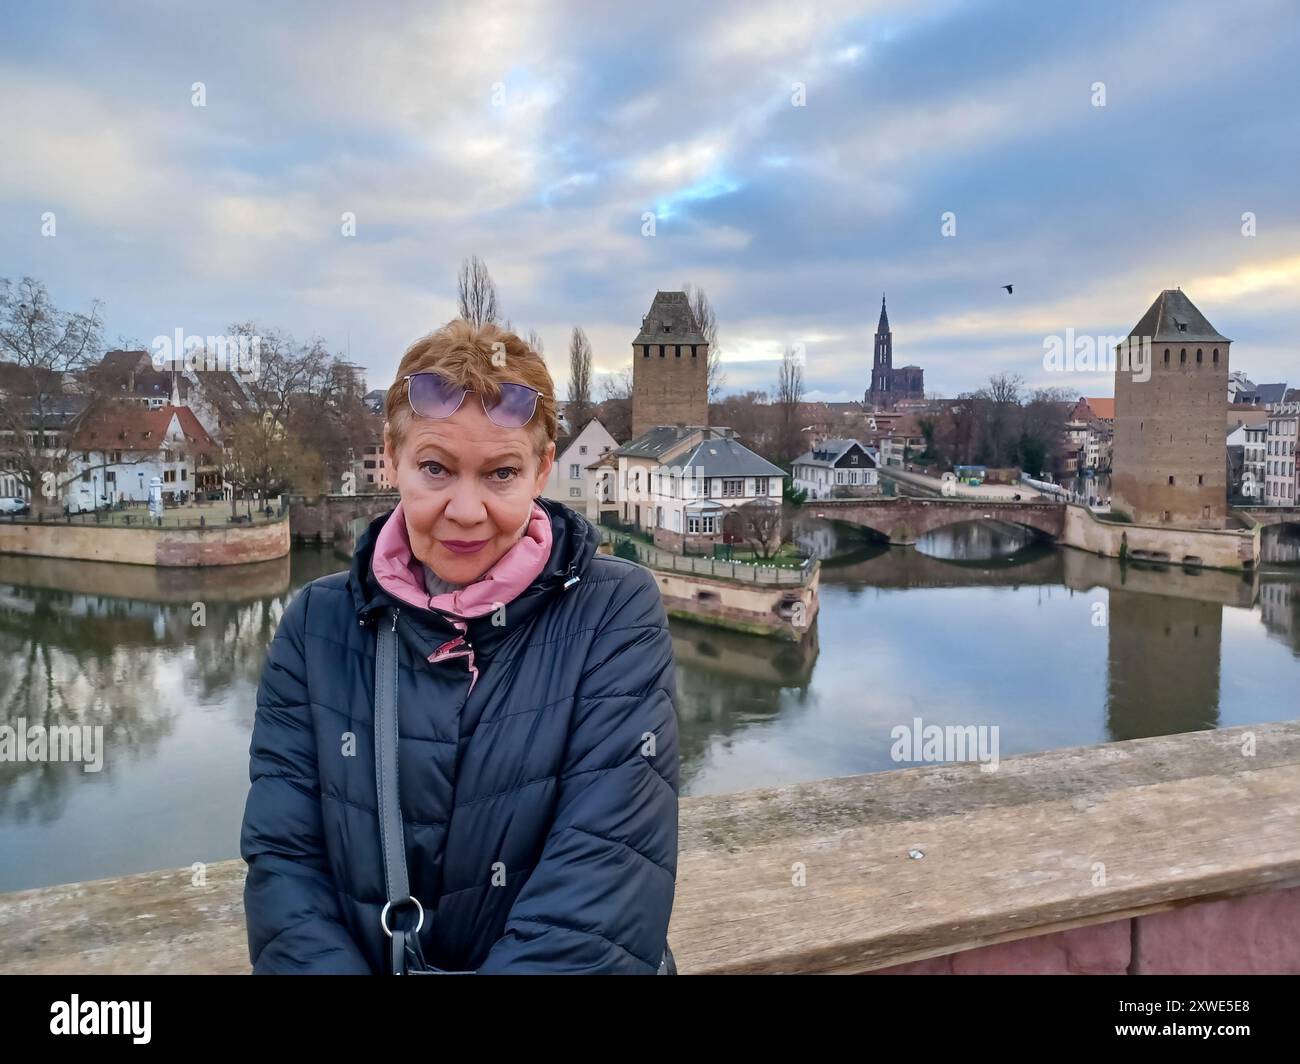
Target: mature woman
465 751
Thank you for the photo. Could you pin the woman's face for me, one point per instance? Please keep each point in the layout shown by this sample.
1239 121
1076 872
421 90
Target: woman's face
466 482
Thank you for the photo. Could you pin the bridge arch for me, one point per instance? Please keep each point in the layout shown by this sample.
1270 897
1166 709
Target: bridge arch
905 520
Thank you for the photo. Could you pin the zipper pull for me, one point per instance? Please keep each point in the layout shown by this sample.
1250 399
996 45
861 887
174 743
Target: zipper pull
395 612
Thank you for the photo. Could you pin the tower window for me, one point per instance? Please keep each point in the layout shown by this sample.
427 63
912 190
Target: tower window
692 350
1166 356
1200 478
1199 360
661 350
678 350
1216 356
1182 357
1171 478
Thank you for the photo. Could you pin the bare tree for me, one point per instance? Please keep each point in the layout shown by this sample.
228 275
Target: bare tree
476 292
615 411
579 407
707 320
534 341
41 347
788 402
760 525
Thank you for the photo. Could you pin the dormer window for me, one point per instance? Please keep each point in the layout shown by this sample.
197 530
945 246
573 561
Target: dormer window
668 328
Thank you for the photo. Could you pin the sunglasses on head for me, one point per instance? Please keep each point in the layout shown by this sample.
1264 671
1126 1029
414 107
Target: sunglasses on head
432 395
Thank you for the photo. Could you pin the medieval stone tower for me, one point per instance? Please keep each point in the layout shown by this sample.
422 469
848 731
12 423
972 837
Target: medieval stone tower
670 367
1170 464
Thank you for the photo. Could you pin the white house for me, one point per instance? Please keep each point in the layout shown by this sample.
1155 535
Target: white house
685 485
120 446
570 481
837 468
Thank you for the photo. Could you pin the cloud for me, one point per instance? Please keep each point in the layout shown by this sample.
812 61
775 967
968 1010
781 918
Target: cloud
537 135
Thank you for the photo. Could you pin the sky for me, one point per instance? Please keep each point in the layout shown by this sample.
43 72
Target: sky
797 161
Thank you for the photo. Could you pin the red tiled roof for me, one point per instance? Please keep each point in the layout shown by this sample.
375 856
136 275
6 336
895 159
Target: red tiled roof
125 426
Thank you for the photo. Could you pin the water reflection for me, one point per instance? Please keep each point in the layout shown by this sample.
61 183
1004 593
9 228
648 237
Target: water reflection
986 628
980 540
1279 545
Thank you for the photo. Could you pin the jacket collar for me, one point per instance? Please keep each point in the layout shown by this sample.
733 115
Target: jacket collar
573 542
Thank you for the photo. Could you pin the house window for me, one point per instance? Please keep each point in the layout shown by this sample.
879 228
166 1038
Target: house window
183 477
575 493
692 525
575 471
582 448
732 488
709 527
760 485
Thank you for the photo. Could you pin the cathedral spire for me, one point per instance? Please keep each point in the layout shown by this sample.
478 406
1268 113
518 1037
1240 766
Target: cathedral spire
883 327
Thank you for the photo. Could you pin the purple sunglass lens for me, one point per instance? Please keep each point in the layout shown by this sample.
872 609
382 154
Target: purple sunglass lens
433 395
515 408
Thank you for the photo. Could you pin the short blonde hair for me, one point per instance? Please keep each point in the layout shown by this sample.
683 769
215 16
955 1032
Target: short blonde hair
464 353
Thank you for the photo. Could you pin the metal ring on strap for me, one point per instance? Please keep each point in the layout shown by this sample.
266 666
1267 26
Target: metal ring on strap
383 916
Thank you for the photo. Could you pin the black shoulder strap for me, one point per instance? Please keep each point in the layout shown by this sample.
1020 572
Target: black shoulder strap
390 813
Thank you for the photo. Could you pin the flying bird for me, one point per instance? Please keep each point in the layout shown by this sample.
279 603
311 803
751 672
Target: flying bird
1008 288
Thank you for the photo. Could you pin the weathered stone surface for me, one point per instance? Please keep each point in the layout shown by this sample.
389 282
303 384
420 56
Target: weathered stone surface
1069 844
171 547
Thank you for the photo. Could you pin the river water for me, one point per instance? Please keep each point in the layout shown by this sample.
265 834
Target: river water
976 627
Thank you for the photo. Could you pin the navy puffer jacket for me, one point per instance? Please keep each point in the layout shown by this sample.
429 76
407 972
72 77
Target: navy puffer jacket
540 809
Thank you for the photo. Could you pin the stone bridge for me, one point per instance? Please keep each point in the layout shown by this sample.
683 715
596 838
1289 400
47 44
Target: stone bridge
904 520
1271 515
328 518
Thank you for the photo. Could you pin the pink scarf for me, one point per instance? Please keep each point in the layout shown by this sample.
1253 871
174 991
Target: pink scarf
399 573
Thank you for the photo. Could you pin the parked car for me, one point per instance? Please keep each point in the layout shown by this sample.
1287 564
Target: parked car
12 504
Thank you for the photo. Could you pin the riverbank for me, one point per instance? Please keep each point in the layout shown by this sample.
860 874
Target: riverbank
1144 857
145 544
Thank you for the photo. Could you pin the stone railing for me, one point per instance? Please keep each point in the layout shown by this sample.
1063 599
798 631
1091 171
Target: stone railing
1168 855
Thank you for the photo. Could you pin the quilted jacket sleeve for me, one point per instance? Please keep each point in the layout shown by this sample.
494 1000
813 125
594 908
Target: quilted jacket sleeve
600 897
294 922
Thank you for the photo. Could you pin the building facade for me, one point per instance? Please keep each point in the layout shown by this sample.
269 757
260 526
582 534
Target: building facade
836 469
685 486
1254 459
1279 455
570 481
889 386
1170 466
670 367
